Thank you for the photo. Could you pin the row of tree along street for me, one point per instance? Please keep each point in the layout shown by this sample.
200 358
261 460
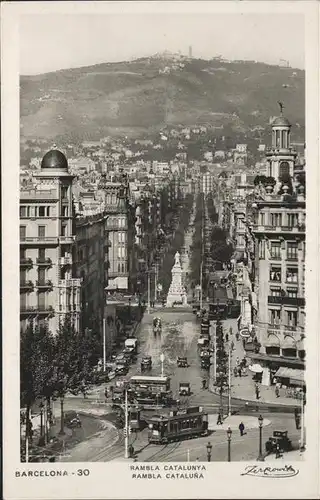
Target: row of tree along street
176 243
53 365
209 245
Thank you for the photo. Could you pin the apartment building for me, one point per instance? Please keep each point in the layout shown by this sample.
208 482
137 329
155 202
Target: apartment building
278 232
48 287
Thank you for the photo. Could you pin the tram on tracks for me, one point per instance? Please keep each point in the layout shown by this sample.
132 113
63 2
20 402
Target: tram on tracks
178 425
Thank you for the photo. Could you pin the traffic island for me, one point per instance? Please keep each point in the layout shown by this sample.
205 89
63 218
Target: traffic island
234 421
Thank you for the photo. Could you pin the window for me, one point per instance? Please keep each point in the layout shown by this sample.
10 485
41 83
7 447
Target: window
284 172
276 220
289 353
119 268
41 231
262 247
119 252
292 220
64 191
275 251
23 232
275 274
292 251
122 268
41 300
42 253
273 351
292 318
262 219
276 292
292 275
41 211
292 293
63 229
274 316
64 211
23 211
41 275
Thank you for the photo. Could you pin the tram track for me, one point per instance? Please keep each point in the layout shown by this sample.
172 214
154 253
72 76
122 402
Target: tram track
162 454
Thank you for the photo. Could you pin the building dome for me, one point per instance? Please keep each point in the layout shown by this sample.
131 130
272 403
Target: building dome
54 159
281 121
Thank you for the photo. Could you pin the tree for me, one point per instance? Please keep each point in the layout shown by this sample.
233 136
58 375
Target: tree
221 359
72 370
36 367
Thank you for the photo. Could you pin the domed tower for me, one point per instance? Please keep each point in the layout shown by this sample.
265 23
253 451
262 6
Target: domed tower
54 178
281 156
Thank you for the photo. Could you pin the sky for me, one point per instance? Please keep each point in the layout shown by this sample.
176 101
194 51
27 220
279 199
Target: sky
49 42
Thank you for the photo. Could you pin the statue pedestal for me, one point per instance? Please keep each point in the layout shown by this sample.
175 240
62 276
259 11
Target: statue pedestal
177 293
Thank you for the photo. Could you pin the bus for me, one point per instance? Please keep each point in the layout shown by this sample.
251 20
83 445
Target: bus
179 424
153 385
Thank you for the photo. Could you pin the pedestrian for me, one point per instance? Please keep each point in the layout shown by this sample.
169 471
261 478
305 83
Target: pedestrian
204 384
219 421
239 371
227 337
230 330
235 371
277 391
237 335
232 346
278 455
257 393
237 361
241 428
106 393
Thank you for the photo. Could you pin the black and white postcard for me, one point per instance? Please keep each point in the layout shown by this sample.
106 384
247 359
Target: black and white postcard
160 249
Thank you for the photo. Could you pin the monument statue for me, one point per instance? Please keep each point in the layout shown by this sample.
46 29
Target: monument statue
177 293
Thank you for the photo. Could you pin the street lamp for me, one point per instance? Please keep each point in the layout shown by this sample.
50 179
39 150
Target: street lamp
229 433
260 420
209 449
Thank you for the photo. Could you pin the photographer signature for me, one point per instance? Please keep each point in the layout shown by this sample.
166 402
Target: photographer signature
274 472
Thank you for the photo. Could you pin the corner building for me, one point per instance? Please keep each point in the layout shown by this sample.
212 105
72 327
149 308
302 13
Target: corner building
48 289
278 232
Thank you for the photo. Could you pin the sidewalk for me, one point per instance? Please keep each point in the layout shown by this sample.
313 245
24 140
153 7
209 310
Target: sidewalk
244 387
233 422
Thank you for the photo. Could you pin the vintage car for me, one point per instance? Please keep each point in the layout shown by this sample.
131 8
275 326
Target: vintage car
182 362
184 389
72 419
278 440
146 363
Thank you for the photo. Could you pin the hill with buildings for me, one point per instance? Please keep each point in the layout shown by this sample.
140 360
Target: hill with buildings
140 97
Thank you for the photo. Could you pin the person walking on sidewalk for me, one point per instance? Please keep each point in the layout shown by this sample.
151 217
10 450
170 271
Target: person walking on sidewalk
227 337
257 392
232 346
277 391
219 420
241 428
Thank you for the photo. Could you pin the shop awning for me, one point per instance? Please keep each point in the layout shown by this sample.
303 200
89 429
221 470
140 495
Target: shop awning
295 376
277 359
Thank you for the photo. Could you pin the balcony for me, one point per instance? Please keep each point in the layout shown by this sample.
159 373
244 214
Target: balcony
264 228
44 284
45 262
287 301
28 263
36 310
26 285
66 239
71 283
65 261
39 240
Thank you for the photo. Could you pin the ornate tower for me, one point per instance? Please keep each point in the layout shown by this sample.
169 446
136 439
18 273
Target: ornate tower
281 156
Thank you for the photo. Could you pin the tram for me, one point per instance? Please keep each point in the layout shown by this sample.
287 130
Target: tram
178 425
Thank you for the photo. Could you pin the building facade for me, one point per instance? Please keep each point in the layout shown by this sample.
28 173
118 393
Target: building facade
48 287
278 232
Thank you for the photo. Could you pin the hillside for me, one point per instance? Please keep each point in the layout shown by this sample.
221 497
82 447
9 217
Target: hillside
141 96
